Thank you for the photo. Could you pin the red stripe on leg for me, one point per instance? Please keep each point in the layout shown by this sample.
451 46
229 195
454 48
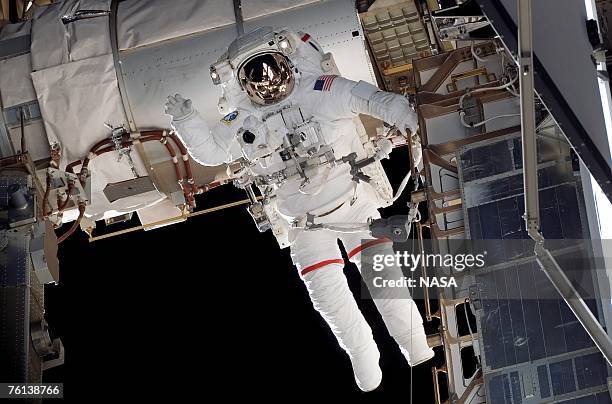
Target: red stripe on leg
321 264
366 245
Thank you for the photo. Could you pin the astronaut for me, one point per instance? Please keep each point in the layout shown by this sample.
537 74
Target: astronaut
289 121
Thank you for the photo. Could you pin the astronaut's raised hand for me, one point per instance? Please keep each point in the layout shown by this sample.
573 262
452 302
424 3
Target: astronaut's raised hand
208 146
178 107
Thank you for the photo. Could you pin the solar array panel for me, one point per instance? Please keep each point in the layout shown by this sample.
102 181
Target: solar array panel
533 347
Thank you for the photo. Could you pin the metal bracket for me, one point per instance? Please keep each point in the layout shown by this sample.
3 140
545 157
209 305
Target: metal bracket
125 189
239 18
396 228
83 15
31 112
475 73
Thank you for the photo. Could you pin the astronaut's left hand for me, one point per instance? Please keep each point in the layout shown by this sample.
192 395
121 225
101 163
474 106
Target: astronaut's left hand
178 107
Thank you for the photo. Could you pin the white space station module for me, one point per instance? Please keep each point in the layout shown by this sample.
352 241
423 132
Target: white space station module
83 85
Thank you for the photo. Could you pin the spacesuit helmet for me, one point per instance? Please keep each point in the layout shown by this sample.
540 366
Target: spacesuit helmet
260 63
266 78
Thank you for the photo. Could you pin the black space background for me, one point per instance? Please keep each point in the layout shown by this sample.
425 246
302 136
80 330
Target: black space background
208 308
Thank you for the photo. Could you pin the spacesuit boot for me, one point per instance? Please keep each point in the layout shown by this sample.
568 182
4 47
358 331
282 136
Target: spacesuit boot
402 318
416 350
404 323
366 368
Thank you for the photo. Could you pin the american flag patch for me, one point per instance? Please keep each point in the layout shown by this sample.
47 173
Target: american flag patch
324 83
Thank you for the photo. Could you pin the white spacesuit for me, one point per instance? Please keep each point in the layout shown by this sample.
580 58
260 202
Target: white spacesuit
289 121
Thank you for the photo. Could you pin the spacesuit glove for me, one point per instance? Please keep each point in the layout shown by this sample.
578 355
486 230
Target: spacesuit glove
178 107
416 150
383 148
409 124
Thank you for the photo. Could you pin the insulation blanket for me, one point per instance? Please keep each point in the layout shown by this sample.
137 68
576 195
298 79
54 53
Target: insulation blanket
76 100
15 81
162 20
55 43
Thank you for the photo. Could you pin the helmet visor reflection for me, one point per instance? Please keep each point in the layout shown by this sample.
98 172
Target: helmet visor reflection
267 78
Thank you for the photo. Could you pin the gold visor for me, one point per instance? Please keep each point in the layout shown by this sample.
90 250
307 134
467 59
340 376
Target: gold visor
267 78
